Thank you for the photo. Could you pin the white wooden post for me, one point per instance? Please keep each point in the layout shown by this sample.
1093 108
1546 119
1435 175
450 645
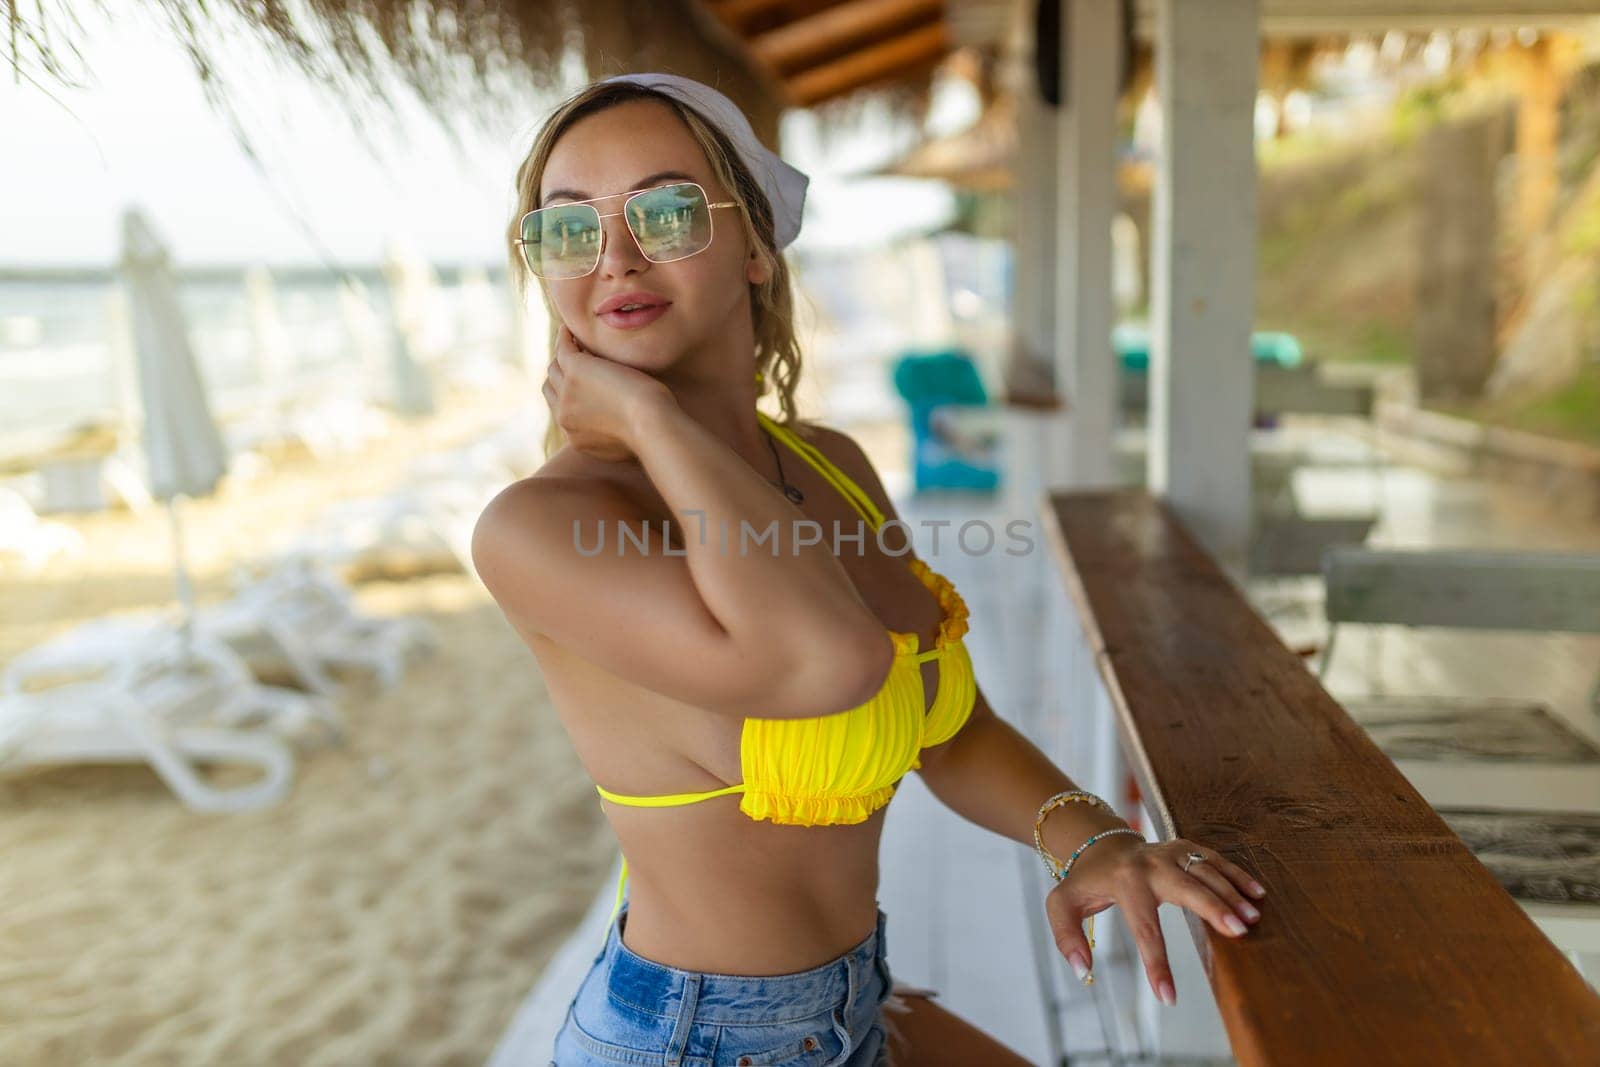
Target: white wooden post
1203 269
1086 372
1034 304
1035 440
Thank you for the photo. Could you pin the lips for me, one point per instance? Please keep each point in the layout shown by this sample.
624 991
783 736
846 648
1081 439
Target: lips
650 307
637 296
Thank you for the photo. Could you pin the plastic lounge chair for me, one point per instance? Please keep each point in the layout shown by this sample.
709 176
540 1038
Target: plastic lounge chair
264 643
299 596
34 540
268 645
139 645
165 702
399 534
424 526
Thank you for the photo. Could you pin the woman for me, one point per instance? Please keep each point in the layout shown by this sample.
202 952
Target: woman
654 221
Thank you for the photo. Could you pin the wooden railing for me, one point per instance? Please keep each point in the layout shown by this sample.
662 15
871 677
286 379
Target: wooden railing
1383 939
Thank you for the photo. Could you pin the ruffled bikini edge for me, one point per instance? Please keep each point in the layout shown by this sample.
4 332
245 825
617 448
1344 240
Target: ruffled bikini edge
813 810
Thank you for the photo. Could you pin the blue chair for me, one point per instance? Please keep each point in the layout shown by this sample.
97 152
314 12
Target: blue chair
929 381
1131 340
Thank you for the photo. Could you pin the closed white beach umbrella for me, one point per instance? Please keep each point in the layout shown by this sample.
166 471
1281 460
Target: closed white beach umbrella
368 336
181 442
269 340
414 328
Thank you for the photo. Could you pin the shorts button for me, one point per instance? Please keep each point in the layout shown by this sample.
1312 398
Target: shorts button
811 1043
744 1061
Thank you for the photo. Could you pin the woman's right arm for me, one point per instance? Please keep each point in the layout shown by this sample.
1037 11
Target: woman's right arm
775 630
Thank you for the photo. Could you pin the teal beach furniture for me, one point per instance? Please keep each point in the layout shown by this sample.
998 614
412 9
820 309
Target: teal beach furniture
936 386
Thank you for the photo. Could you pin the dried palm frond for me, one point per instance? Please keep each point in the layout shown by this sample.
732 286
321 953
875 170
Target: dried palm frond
478 60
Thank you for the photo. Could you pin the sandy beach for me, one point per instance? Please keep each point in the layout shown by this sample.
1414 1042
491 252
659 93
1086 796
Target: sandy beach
393 910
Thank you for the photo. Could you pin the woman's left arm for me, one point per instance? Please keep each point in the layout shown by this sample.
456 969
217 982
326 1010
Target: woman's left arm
993 776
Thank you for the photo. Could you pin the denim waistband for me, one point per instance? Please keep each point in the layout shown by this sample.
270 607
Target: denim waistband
736 999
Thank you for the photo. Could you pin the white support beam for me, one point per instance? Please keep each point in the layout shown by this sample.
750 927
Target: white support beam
1037 444
1036 235
1203 269
1086 371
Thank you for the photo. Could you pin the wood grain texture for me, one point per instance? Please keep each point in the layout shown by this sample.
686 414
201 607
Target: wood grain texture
1383 940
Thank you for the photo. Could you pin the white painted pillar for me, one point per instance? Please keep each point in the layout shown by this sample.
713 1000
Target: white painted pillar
1035 234
1086 372
1035 453
1203 269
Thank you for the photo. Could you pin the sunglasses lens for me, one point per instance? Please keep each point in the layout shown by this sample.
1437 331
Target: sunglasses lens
562 241
670 222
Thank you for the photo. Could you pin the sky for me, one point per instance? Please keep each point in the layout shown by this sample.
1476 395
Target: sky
142 132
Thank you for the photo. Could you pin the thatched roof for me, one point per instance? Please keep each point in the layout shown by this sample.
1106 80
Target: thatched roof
481 60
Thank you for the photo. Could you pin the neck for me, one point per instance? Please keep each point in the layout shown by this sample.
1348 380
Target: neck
715 384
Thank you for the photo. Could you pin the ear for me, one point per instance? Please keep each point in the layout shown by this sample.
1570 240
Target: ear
756 268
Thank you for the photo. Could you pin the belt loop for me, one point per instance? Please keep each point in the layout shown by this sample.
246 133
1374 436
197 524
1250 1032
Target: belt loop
685 1026
843 1020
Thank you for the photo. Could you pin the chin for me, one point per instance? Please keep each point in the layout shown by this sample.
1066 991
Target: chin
648 354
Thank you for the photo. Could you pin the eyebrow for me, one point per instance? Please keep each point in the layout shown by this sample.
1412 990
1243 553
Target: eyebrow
577 194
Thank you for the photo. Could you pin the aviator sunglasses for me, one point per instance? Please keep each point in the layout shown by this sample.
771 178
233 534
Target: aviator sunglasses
668 223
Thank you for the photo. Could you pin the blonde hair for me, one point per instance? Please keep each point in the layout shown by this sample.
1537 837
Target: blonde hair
776 359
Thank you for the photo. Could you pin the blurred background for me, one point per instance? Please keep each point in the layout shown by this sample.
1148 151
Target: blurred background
277 784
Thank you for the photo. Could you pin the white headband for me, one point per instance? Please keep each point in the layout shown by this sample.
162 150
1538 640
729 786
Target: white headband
784 185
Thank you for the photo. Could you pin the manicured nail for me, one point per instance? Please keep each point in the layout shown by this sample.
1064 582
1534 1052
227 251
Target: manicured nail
1234 925
1248 911
1079 968
1258 889
1169 996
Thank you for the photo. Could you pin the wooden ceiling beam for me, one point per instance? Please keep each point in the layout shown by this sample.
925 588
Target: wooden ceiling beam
916 51
836 29
739 14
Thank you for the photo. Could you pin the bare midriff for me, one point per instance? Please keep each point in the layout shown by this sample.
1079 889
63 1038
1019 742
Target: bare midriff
709 888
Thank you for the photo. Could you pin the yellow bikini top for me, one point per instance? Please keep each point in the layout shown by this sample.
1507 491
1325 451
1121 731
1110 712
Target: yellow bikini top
842 767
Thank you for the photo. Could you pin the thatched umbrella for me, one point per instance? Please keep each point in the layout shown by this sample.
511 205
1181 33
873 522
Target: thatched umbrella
493 60
476 60
980 158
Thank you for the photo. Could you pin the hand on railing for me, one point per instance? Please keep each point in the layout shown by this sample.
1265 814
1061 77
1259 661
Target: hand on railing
1139 876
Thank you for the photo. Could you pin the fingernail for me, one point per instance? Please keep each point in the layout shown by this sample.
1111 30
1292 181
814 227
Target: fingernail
1258 889
1248 911
1234 925
1169 996
1079 968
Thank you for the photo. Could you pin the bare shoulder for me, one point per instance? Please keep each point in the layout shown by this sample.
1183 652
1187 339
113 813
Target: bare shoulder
848 455
540 503
567 485
529 524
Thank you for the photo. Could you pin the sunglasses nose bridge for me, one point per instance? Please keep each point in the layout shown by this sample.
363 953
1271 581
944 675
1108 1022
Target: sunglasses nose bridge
631 241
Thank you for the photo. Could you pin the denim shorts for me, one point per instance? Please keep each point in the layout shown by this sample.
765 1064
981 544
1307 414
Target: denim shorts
630 1010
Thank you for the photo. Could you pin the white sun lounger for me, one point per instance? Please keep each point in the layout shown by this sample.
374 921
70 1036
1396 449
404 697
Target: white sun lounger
305 603
111 647
33 540
158 703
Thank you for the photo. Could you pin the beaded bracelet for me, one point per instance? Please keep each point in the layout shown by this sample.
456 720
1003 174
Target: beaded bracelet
1057 869
1103 833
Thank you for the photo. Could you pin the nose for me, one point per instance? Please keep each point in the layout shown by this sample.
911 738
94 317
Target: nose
619 252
